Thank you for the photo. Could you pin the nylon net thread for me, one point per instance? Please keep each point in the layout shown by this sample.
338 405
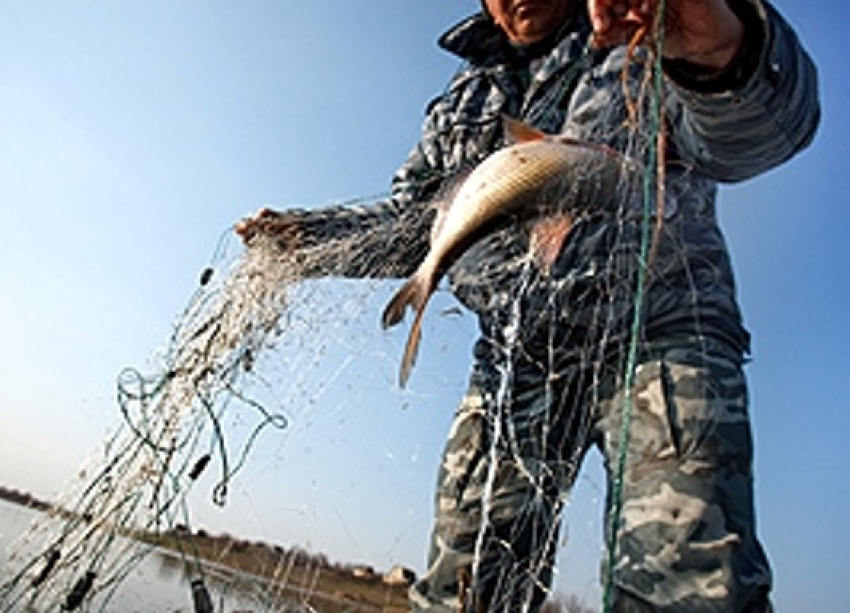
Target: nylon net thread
177 423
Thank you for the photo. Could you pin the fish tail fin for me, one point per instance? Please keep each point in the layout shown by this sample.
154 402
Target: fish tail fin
414 293
411 348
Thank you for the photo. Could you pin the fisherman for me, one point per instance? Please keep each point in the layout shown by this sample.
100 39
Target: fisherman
739 97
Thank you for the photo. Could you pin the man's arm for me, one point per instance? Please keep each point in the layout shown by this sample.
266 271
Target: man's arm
744 92
757 112
386 239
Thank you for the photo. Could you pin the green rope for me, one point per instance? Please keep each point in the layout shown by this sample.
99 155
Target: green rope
649 194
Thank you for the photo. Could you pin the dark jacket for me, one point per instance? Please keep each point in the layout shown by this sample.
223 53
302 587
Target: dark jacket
718 127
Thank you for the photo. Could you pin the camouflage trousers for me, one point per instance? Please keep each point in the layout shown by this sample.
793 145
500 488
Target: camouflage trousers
686 532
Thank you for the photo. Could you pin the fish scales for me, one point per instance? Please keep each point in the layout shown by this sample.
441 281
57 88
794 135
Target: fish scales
538 174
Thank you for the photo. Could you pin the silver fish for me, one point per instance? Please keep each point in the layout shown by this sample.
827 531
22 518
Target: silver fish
536 175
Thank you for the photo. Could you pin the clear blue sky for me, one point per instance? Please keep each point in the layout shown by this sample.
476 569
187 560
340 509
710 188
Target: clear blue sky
132 134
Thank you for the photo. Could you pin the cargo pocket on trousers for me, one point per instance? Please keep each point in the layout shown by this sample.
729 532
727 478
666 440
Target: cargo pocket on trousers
668 392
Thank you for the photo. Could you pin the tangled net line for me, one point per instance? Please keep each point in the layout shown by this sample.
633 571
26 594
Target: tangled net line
80 550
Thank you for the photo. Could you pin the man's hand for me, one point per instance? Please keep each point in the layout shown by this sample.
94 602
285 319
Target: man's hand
703 32
272 224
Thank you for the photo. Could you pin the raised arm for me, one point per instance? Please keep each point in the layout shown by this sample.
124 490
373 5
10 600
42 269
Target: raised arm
743 92
386 239
758 112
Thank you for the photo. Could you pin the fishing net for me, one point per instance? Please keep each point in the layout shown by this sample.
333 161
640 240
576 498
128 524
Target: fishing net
254 355
258 355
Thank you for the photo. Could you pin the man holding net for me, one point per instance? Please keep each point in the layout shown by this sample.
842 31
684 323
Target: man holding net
632 347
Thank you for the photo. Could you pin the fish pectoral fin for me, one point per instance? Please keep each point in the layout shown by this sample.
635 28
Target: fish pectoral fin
547 238
518 131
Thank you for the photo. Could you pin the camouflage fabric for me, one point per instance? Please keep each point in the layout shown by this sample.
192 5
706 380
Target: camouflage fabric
759 121
687 532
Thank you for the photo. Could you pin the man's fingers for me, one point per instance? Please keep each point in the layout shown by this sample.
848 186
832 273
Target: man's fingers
616 21
619 34
248 227
278 226
601 16
245 228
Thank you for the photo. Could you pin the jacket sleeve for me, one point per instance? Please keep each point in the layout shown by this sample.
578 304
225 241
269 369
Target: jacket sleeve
734 126
387 239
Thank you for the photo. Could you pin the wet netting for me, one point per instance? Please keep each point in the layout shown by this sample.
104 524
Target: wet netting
248 359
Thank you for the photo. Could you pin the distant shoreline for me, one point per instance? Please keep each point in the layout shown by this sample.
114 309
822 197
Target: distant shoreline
310 577
23 499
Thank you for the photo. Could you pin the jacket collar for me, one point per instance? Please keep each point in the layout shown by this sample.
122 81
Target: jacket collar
479 41
476 39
